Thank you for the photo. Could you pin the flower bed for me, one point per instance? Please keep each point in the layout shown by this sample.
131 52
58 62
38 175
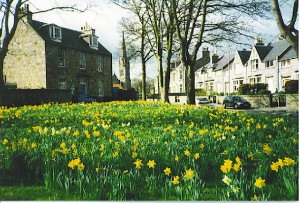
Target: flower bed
144 150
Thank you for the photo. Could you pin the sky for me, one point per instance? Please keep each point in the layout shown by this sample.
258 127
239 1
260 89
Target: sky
104 17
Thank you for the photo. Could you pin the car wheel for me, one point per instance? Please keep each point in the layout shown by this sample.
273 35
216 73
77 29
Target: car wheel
235 106
225 106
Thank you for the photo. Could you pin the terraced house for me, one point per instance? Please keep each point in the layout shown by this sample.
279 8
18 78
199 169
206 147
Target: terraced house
48 56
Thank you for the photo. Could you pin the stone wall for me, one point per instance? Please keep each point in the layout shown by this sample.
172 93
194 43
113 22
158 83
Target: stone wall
25 63
292 101
20 97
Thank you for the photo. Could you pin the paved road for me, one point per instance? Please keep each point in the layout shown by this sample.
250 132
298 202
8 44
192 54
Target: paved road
266 110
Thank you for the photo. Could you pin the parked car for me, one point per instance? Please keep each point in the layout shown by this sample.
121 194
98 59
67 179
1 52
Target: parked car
203 100
85 98
236 102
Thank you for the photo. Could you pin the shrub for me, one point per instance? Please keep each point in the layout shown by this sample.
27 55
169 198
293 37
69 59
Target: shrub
261 92
291 87
200 92
245 89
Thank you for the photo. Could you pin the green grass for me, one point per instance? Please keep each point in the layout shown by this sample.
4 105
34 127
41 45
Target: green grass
32 193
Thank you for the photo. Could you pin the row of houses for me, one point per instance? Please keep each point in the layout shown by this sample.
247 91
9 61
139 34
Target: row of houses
47 56
273 64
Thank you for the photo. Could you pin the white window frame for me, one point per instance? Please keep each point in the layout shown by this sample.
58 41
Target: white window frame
101 88
55 33
62 83
100 63
93 42
286 63
61 55
82 61
254 64
269 64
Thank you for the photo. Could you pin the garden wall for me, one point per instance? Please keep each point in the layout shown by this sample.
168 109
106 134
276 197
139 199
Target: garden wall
20 97
292 101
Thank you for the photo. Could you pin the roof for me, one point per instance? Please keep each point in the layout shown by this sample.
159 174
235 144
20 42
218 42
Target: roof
278 48
262 51
289 54
70 38
244 55
225 60
201 62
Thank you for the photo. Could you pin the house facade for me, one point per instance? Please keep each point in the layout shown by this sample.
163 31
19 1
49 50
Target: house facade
47 56
273 64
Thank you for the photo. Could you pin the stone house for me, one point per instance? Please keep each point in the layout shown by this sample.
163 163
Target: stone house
47 56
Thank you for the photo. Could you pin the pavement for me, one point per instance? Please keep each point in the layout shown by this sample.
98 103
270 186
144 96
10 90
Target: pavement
282 111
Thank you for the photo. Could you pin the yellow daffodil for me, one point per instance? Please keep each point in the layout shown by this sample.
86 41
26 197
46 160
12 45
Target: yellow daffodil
196 156
176 158
138 164
260 183
288 161
274 166
175 180
187 152
5 141
151 164
189 174
267 149
167 171
226 180
81 167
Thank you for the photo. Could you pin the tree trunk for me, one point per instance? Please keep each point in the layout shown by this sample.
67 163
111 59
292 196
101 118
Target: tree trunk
144 97
2 82
289 32
190 84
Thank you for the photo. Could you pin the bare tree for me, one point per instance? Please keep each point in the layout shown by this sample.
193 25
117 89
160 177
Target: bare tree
210 21
11 13
287 29
136 30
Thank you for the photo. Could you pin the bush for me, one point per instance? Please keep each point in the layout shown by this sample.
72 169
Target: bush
200 92
291 87
261 92
246 89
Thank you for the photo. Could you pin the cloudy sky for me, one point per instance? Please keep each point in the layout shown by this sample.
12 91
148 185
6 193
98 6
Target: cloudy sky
104 17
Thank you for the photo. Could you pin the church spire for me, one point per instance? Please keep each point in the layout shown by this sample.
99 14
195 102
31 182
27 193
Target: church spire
124 66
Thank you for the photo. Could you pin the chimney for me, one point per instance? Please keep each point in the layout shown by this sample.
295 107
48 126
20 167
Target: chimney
25 12
214 57
259 40
205 52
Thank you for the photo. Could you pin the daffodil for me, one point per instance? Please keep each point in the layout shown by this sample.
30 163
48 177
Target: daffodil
288 161
260 183
167 171
189 174
175 180
226 180
138 164
187 152
274 166
196 156
151 164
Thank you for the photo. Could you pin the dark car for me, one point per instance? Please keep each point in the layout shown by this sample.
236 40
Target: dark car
85 98
203 100
236 102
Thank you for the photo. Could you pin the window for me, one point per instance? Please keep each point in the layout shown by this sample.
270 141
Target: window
82 61
269 64
286 63
61 57
236 85
62 83
258 80
180 88
100 63
93 42
101 88
82 86
55 33
252 80
254 64
284 80
180 75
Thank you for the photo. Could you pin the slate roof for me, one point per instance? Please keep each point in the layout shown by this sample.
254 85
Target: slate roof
244 55
278 48
289 54
201 62
263 51
223 62
70 39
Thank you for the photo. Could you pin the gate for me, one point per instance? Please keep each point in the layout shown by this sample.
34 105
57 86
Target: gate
277 100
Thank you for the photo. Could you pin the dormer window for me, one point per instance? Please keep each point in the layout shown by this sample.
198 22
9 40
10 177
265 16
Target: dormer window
55 33
93 42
